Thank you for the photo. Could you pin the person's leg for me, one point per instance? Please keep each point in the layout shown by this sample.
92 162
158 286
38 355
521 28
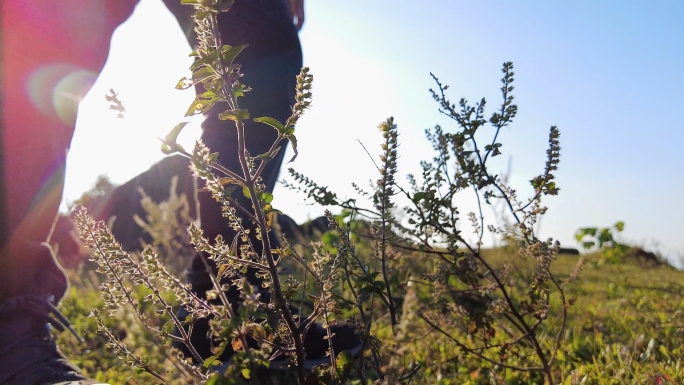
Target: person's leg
50 52
270 64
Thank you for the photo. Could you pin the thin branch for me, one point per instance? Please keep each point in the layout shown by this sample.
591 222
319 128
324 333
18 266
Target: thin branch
469 350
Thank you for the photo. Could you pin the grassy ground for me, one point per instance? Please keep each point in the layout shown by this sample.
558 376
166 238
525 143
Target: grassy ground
624 327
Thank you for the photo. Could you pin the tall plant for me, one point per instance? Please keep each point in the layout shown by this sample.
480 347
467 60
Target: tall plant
215 69
472 302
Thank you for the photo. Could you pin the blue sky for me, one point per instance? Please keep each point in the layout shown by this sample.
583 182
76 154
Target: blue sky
610 75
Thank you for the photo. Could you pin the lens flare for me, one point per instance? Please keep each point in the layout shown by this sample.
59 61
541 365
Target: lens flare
57 89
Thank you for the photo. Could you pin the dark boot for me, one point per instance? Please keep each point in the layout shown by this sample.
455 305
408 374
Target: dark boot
28 352
200 282
316 345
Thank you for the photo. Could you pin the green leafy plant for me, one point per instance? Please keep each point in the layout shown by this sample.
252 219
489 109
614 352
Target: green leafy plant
472 303
603 239
612 248
274 326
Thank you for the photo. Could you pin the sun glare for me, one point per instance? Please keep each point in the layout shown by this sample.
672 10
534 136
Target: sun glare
148 55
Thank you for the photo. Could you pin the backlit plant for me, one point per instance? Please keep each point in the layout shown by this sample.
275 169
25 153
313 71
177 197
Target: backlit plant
497 313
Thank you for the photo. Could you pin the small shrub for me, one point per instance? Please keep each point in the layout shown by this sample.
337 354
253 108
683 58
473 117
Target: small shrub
612 249
604 239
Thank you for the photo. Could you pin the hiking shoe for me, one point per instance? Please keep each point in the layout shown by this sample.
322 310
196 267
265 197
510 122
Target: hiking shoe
316 344
28 352
316 348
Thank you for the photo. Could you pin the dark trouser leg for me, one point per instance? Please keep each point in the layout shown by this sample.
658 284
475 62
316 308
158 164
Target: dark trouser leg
34 152
49 51
49 54
270 65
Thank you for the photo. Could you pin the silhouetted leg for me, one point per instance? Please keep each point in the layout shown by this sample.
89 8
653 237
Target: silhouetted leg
51 54
270 65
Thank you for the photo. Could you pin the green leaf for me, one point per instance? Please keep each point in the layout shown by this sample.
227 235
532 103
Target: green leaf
166 149
663 350
168 326
229 53
225 5
172 136
268 155
201 74
267 197
246 373
582 232
419 196
620 226
293 140
211 361
205 60
201 15
344 363
344 358
236 115
216 379
271 122
330 239
183 84
366 290
289 130
189 318
239 89
245 192
199 105
170 146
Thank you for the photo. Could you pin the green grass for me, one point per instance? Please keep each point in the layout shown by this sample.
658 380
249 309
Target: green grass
624 327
